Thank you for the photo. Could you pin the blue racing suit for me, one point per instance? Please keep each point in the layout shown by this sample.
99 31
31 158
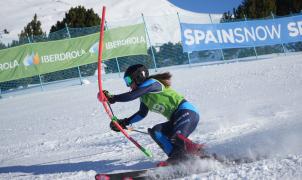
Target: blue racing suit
183 120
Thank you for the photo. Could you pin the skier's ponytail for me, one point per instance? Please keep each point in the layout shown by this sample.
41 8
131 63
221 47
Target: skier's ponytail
164 78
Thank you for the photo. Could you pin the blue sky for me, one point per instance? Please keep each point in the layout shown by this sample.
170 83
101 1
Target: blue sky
207 6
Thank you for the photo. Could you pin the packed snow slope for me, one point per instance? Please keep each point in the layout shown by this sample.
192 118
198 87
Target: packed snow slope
160 15
248 109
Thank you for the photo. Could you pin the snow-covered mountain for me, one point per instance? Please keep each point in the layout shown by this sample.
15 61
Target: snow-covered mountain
161 16
248 109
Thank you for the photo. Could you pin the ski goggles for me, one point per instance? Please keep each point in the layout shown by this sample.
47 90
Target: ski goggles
128 80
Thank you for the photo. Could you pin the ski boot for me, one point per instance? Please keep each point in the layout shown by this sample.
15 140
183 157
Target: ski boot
191 148
177 156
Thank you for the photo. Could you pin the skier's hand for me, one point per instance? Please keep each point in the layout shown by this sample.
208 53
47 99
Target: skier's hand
99 96
122 122
109 97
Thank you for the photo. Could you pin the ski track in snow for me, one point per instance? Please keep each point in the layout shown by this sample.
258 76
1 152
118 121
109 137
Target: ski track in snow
248 110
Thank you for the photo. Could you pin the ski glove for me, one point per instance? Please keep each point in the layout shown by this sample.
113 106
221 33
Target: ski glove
122 122
109 97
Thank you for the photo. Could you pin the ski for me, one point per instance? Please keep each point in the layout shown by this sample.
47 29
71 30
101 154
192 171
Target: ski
127 175
160 171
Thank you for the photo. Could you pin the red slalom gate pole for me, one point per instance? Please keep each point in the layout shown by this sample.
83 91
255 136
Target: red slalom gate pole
103 98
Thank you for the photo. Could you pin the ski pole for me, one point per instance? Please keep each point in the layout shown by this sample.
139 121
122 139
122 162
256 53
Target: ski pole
131 129
103 98
114 119
140 131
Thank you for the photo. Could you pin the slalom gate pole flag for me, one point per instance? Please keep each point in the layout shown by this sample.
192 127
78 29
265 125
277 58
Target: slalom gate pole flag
103 98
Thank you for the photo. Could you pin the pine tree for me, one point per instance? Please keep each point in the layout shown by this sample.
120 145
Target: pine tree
226 17
285 7
33 28
2 46
76 18
263 8
255 9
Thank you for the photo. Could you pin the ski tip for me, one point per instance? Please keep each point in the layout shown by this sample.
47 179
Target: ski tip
162 164
128 178
102 177
107 177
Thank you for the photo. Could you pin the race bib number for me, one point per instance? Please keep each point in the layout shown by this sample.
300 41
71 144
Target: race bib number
158 108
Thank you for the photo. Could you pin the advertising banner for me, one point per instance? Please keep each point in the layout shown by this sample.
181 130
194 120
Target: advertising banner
196 37
44 57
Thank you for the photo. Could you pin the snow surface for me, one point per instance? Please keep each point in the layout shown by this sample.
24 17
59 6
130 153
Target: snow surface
160 15
248 109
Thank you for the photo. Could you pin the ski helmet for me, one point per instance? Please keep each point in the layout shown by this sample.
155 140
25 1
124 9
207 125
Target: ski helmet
137 73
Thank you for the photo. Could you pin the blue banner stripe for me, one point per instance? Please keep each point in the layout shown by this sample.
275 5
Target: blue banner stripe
197 37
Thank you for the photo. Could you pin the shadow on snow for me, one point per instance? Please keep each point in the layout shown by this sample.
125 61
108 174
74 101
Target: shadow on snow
98 166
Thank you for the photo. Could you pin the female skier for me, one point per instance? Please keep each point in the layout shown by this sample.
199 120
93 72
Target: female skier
156 95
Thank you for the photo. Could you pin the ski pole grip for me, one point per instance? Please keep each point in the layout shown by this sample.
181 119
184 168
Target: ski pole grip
145 151
102 97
